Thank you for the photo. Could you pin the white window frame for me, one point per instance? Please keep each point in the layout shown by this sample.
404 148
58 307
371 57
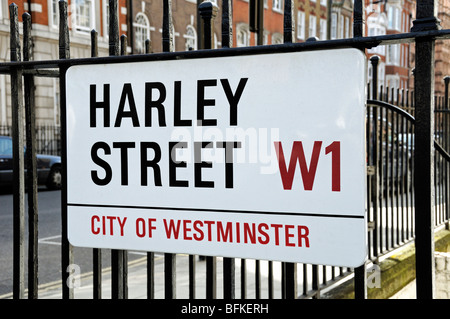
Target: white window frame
76 23
333 33
301 25
277 5
394 17
242 32
347 27
145 28
312 31
323 29
277 38
393 54
53 15
190 38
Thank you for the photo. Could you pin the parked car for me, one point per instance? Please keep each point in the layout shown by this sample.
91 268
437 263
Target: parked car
48 166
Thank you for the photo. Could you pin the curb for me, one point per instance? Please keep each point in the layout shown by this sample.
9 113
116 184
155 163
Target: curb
397 271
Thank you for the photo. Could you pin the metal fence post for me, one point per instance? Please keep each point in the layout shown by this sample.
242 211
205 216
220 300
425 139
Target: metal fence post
227 23
118 257
358 19
170 260
227 42
358 31
288 26
447 144
208 11
18 163
31 164
66 247
167 27
424 148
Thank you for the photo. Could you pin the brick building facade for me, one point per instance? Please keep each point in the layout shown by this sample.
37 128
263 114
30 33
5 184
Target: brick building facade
142 19
84 15
395 66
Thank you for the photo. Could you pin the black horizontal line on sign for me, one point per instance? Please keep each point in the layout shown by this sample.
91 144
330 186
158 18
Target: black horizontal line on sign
231 211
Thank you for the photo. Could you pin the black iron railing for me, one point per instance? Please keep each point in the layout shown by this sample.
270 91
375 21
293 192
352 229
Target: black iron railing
394 140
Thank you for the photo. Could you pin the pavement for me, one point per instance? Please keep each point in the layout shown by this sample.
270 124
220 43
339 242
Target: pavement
408 292
137 281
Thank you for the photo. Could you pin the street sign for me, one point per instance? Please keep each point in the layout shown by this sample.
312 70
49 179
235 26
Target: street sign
258 156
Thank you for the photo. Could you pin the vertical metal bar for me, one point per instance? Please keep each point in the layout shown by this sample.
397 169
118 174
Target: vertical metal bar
315 281
291 281
167 27
18 163
360 282
227 23
358 31
130 27
30 120
208 12
96 252
243 279
170 276
358 19
447 144
260 14
117 274
66 247
148 46
270 280
288 25
211 277
385 133
257 279
200 27
305 280
376 177
123 44
113 28
229 280
426 12
192 267
150 255
167 45
150 275
118 258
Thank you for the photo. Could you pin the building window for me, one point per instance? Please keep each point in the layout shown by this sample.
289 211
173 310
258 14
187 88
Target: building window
242 36
323 29
393 56
312 26
142 31
347 27
277 38
84 15
341 27
54 13
394 18
277 5
333 26
301 25
191 38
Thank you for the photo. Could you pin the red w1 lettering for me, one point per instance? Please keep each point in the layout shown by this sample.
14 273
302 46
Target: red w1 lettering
308 172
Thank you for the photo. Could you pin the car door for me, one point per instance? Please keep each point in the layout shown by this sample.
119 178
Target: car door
6 162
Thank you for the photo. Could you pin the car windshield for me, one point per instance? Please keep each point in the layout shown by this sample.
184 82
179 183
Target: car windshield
5 146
